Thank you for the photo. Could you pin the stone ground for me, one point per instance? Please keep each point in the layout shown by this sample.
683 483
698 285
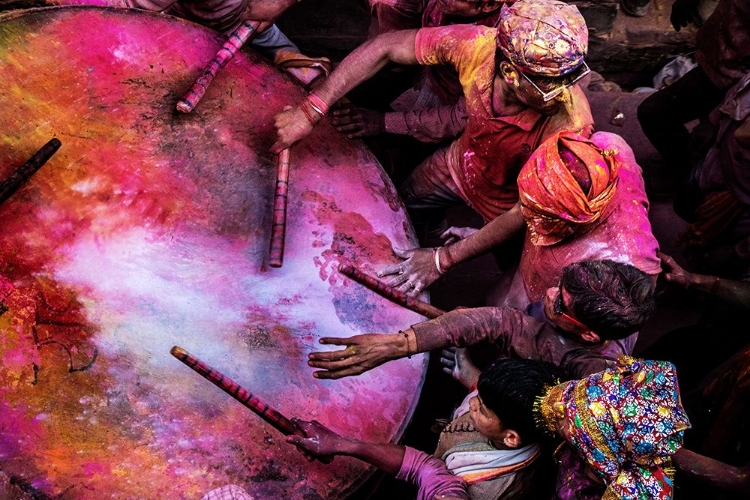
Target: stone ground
627 50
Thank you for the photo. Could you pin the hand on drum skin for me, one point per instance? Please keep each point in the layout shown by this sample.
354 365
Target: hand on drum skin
684 12
291 126
357 122
453 234
318 441
673 273
413 275
362 353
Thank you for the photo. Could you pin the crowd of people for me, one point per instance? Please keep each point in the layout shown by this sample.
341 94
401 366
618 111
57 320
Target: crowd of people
564 410
501 96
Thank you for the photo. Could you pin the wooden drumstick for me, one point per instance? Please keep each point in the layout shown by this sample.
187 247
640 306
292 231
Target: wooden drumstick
278 229
25 171
250 401
236 40
390 293
226 384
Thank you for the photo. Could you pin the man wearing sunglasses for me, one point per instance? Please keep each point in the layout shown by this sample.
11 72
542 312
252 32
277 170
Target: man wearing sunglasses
519 84
582 325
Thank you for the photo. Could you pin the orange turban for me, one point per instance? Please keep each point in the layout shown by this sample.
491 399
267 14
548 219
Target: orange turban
552 201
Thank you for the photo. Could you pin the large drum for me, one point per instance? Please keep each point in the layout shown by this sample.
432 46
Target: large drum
150 229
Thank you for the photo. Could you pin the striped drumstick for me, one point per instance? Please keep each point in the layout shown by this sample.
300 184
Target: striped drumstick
390 293
278 229
25 171
226 384
250 401
236 40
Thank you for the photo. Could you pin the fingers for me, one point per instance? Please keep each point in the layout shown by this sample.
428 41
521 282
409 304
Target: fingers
337 364
333 375
399 280
303 425
330 356
669 264
337 340
394 269
418 285
344 128
448 362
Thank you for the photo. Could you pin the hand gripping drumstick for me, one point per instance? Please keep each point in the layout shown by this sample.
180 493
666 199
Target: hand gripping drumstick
25 171
278 229
390 293
250 401
236 40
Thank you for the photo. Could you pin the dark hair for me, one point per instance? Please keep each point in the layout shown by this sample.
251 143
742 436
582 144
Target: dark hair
510 387
614 300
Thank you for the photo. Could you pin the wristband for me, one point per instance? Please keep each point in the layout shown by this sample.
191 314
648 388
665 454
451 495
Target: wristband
311 117
406 336
436 257
317 103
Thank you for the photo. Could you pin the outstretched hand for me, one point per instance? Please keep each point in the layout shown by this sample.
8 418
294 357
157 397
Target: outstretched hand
413 275
318 441
362 353
291 126
684 12
356 122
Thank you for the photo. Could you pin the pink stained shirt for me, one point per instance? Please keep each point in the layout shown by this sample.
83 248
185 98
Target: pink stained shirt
625 236
445 116
485 160
444 79
431 475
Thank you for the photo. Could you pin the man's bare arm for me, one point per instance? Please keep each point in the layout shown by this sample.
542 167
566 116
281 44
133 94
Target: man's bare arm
499 230
366 60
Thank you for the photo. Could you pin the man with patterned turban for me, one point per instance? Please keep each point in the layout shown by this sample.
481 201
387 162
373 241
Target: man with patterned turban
519 82
432 109
625 422
579 198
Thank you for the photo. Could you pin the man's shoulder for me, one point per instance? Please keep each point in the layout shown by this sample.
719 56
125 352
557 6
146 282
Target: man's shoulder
478 38
462 31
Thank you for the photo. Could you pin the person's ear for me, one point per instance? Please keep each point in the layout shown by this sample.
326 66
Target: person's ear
509 73
511 439
488 7
590 336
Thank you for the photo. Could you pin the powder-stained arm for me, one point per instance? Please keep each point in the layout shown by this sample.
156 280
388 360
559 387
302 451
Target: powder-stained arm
366 60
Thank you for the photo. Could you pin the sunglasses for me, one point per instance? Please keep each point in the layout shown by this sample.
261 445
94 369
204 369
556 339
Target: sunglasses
548 96
558 307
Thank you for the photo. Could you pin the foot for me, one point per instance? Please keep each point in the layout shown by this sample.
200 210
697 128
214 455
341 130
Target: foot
457 364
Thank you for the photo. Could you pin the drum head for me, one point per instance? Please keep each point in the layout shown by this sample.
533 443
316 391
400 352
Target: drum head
149 229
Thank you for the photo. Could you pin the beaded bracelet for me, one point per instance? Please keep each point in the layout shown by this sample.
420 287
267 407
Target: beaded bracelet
436 257
406 336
